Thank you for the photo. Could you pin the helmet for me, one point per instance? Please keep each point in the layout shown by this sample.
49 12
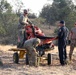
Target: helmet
25 11
37 41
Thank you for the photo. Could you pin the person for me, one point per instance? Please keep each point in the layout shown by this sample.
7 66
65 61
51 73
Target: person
30 45
62 41
23 21
73 41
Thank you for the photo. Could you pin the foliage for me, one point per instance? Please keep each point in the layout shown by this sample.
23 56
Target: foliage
8 22
32 15
59 10
38 21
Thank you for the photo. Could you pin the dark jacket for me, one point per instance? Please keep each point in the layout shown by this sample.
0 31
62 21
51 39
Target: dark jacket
62 34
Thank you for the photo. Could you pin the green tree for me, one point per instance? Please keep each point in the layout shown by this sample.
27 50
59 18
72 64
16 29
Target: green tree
8 23
46 13
4 8
59 10
32 15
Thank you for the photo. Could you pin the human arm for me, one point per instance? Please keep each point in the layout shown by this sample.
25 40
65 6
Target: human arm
29 21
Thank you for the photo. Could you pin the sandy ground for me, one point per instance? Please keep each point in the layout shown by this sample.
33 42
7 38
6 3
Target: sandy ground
10 68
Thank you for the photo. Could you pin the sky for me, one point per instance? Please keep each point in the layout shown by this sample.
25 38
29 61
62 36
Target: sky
34 5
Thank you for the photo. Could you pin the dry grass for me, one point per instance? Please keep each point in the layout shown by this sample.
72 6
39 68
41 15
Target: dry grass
55 68
10 68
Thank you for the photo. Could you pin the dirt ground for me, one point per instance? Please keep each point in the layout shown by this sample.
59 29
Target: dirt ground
10 68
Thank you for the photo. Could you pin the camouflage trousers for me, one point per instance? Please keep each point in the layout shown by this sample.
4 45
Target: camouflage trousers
72 45
21 38
21 35
32 56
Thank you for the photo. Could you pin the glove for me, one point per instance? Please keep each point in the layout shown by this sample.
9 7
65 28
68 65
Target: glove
69 41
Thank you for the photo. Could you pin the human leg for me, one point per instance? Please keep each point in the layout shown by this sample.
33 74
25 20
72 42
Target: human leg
71 49
60 49
21 39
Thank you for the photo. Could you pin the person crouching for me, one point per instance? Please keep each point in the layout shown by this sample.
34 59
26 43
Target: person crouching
30 45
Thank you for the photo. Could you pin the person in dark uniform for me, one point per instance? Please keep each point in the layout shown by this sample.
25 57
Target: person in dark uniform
62 41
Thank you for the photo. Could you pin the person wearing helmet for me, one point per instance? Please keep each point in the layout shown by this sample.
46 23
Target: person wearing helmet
30 45
23 21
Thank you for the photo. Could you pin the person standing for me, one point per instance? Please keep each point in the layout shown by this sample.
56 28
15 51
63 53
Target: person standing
62 41
73 41
23 21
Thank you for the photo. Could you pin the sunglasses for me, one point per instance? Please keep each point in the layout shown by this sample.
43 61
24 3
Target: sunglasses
25 13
